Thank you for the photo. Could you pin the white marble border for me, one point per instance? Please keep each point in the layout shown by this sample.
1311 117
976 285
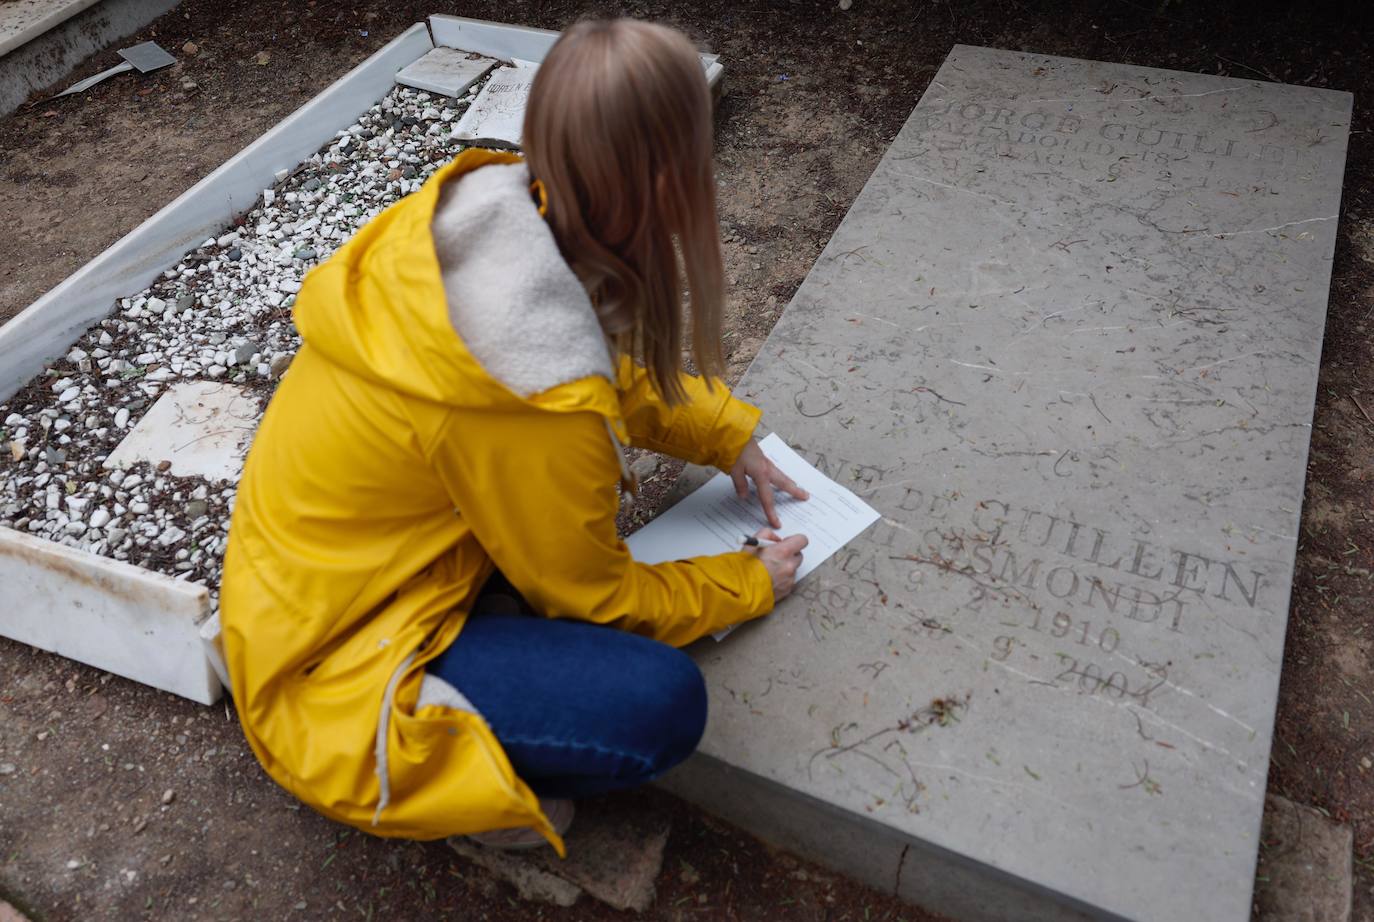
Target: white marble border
112 615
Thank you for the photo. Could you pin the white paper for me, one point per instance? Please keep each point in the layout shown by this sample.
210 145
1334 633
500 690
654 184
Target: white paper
497 115
713 520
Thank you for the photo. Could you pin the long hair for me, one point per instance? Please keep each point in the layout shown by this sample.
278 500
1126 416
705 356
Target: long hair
618 129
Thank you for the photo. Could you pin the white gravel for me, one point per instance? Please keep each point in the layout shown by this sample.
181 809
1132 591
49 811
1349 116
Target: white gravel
223 314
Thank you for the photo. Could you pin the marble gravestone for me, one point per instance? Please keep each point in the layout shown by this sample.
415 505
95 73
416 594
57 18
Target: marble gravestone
1066 341
447 71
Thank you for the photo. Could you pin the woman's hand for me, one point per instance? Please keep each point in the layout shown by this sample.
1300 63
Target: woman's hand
754 465
782 558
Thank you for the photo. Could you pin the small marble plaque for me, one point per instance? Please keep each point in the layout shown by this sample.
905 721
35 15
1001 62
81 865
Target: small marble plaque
447 71
201 428
1066 341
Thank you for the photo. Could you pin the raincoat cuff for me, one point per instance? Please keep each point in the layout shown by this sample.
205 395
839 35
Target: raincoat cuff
734 428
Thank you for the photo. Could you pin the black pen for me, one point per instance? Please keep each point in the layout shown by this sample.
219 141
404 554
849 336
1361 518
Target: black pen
752 541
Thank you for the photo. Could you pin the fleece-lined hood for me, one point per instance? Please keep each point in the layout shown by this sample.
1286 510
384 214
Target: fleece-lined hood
487 315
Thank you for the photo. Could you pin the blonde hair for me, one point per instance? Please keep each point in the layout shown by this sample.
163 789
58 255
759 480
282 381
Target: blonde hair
618 129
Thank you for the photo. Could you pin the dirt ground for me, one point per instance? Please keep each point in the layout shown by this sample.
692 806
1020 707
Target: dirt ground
815 93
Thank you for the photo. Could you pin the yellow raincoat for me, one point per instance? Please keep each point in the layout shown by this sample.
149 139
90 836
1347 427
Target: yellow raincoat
389 475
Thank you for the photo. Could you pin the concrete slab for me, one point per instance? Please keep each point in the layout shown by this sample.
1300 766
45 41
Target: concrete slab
112 615
530 881
447 71
1306 869
615 854
1067 342
200 428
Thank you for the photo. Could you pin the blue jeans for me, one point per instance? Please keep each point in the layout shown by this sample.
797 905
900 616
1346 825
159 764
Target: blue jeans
581 709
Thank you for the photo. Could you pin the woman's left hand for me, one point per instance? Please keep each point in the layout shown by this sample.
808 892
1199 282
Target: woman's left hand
754 465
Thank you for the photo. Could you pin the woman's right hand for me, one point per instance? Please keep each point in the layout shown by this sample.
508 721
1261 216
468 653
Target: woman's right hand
782 558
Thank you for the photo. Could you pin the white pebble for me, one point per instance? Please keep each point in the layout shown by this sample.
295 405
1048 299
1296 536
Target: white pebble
171 536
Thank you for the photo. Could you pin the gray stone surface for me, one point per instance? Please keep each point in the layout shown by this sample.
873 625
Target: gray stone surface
1067 342
615 853
528 878
1306 871
445 70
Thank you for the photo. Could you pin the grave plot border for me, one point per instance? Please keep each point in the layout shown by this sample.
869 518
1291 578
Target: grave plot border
71 590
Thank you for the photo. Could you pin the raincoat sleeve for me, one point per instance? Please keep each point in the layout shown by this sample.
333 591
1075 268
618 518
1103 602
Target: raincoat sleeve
710 428
540 497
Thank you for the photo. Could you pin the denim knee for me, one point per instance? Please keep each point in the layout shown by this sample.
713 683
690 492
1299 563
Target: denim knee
682 703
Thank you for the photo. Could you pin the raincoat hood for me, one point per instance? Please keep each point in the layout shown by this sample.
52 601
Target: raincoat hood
378 308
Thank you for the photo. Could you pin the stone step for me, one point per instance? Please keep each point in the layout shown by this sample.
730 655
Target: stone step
1306 865
615 853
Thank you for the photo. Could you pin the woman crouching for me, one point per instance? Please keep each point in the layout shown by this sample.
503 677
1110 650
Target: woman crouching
430 623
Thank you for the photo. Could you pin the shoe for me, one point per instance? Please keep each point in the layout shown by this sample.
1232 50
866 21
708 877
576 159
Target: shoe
560 814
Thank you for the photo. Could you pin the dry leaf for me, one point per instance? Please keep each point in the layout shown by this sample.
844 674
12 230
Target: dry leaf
17 450
261 57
